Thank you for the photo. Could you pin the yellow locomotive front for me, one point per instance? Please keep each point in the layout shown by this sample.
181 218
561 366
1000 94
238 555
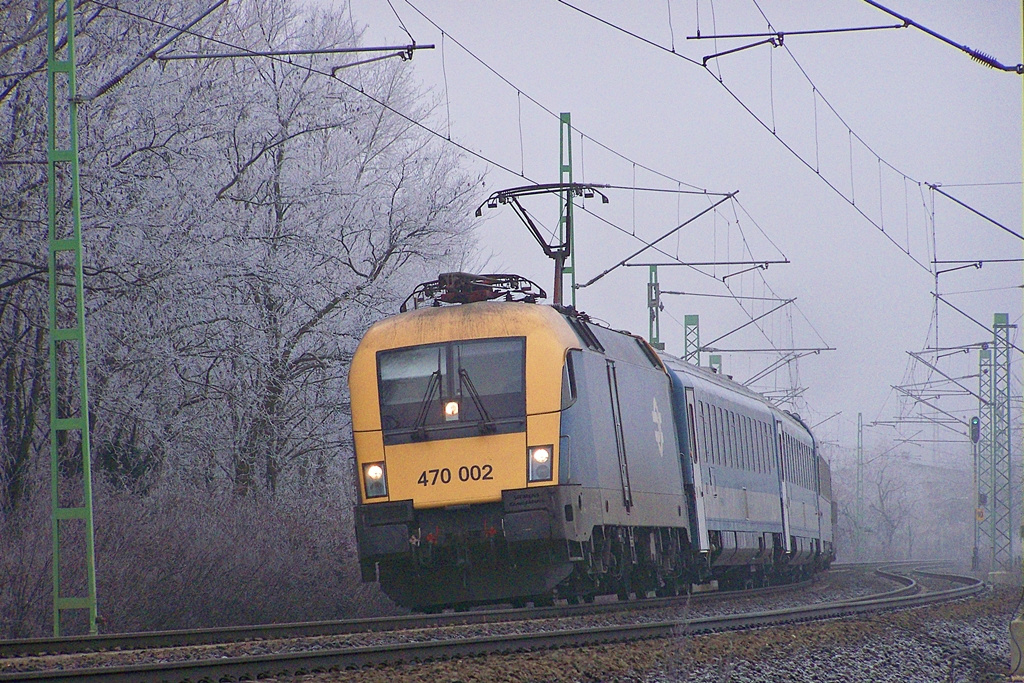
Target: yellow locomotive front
456 419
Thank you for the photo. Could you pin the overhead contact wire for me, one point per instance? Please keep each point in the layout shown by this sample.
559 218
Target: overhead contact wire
539 105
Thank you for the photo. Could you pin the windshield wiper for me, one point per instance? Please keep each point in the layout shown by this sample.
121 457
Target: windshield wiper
419 429
487 425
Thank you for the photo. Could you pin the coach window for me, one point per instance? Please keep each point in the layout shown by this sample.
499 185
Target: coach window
726 438
723 436
751 462
790 464
752 452
761 452
798 454
710 429
709 433
730 439
803 466
745 434
712 435
794 459
720 432
803 470
807 467
737 445
740 437
763 449
705 439
758 445
741 457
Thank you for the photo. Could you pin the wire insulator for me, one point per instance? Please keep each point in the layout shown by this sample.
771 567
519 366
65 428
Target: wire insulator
987 60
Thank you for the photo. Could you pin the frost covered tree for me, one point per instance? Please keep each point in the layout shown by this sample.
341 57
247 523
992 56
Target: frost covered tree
244 220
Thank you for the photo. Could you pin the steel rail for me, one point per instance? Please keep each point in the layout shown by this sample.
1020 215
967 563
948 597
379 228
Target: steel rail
350 658
234 634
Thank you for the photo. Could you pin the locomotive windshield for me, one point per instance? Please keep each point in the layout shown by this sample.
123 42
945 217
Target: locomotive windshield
452 390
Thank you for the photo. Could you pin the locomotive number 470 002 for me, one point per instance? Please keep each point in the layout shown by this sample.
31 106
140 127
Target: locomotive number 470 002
444 475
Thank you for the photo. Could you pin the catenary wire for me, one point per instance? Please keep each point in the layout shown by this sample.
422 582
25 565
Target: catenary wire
419 124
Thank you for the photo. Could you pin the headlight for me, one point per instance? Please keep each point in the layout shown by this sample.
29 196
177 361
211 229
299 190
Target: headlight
540 462
375 482
451 411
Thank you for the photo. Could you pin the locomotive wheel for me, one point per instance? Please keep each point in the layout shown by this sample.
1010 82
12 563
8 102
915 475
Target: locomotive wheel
543 601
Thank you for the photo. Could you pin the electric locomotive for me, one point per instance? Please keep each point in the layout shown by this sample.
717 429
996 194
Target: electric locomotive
508 451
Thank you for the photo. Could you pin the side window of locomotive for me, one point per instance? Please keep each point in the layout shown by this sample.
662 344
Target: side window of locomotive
569 379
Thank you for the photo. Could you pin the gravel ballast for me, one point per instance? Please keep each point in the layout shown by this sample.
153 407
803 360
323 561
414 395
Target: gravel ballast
962 642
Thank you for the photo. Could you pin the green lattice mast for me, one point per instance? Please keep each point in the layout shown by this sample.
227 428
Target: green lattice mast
1002 500
983 514
69 414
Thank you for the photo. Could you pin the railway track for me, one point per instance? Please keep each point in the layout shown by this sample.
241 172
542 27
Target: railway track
308 660
235 634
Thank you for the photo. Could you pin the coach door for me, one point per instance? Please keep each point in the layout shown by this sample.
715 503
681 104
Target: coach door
620 441
698 476
783 486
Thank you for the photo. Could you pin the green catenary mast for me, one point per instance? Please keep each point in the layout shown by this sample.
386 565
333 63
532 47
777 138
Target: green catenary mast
1002 502
983 513
69 413
565 224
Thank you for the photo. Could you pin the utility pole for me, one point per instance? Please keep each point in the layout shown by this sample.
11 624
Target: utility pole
69 413
565 224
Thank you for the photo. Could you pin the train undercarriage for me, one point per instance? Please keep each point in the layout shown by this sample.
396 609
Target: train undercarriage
482 554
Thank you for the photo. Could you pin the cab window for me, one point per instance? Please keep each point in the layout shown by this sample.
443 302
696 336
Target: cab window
452 390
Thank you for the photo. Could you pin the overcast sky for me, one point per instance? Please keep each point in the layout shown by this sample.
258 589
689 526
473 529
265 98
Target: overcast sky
920 111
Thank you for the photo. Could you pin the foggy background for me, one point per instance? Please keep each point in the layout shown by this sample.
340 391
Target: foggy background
245 220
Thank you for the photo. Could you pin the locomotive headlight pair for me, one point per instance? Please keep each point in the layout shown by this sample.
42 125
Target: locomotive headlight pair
375 482
539 462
